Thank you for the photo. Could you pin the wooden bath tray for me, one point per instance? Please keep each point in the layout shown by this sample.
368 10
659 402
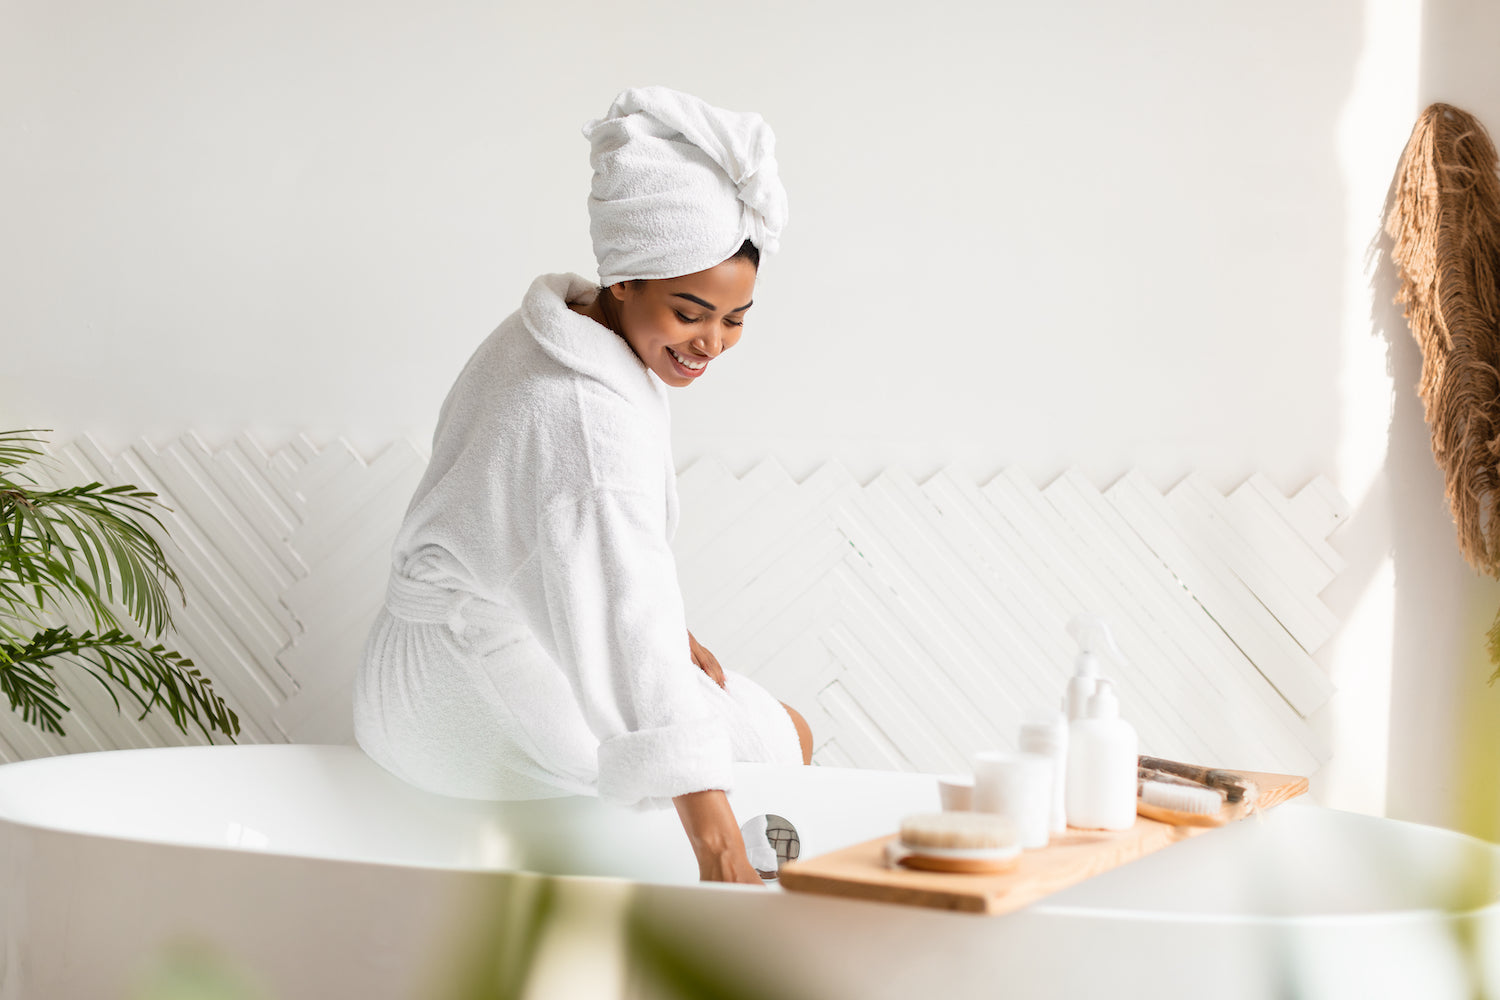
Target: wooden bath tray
860 871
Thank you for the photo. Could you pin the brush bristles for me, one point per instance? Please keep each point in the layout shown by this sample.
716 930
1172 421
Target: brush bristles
957 829
1198 801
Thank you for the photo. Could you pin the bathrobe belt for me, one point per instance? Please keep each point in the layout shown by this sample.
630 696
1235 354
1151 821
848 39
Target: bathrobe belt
427 603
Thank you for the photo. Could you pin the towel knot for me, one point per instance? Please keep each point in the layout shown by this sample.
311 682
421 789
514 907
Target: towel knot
424 602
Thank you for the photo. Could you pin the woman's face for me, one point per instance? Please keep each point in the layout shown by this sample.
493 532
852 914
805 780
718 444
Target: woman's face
676 326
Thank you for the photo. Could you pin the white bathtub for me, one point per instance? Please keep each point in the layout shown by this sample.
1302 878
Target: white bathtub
301 871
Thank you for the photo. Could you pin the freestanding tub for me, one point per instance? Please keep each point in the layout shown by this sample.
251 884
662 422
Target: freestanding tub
307 871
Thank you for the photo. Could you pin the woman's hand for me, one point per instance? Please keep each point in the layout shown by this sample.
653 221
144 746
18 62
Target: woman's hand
715 837
705 660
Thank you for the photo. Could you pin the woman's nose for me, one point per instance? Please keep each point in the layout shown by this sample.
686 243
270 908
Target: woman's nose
710 344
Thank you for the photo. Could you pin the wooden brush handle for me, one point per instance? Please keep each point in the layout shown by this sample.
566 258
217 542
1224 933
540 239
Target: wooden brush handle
1235 787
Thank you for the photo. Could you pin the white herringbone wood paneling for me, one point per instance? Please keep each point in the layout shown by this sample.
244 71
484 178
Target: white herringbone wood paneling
916 623
911 623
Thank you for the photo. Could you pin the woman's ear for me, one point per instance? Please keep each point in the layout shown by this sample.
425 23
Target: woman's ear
618 290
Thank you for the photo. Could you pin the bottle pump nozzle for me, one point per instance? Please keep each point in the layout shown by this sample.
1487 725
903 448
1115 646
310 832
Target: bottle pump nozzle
1093 637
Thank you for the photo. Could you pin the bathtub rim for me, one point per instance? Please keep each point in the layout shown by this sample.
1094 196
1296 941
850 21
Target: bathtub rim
1040 908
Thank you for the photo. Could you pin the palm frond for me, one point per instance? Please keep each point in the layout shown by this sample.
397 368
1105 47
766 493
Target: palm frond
49 582
103 526
151 675
15 450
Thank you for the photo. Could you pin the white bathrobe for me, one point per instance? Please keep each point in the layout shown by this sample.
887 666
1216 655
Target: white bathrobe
533 641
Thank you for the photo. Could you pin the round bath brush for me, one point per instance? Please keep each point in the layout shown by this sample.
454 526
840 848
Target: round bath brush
956 842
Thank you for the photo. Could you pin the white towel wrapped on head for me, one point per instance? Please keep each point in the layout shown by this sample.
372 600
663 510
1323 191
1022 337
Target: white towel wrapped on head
679 185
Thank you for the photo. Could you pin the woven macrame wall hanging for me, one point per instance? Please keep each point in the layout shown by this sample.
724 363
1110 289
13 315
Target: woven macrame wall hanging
1444 219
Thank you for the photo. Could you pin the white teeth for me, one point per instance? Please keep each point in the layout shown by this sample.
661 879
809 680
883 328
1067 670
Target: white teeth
686 363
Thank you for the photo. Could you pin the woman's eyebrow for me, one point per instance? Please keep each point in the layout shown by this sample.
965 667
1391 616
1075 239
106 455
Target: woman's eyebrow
709 305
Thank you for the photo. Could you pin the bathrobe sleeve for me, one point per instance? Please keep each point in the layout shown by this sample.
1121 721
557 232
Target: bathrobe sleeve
616 611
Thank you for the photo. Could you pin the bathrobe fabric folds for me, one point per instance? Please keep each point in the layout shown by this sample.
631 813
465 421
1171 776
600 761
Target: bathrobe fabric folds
533 640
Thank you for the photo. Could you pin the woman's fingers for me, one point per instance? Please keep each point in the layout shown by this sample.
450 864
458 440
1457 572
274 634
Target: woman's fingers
706 661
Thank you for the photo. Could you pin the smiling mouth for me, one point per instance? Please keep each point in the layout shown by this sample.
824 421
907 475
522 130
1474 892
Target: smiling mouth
684 362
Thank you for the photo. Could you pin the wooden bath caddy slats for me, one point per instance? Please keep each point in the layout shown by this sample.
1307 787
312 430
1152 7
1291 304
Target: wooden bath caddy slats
860 871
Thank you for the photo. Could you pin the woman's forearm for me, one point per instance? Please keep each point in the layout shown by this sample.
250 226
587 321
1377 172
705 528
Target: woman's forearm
715 837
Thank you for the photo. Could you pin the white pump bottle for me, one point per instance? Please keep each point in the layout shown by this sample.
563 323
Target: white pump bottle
1093 637
1101 782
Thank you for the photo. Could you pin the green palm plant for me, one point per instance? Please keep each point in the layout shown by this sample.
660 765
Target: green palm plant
80 546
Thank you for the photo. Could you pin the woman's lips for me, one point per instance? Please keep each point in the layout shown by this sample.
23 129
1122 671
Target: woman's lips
683 369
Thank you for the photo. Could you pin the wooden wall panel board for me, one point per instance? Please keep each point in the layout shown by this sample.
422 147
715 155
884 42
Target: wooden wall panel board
1285 665
281 475
860 734
739 557
795 539
230 566
1099 587
1213 653
1179 639
887 704
777 603
223 506
342 512
960 720
906 605
196 553
1013 592
798 669
324 466
983 590
1026 555
1116 581
1312 512
828 753
1263 527
241 629
356 574
707 521
15 746
93 723
1301 615
264 513
978 636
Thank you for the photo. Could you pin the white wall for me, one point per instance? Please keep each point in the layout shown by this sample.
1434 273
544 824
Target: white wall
1038 235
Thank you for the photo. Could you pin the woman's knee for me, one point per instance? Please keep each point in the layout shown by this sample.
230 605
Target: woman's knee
804 732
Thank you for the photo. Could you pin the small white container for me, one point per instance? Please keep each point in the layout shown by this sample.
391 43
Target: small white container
956 792
1017 786
1050 739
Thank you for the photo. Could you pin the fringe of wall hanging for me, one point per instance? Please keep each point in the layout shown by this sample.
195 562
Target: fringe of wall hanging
1444 219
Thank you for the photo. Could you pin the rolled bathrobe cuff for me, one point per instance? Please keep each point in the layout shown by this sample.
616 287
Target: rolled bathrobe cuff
661 763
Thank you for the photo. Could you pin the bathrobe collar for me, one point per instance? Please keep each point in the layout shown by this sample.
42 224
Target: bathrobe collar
580 343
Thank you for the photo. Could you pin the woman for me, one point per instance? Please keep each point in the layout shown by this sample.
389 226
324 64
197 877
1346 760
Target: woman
533 640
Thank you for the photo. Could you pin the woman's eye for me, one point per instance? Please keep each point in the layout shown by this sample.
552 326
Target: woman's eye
685 318
730 322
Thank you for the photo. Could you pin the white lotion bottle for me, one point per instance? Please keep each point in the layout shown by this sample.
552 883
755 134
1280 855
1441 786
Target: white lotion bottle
1102 761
